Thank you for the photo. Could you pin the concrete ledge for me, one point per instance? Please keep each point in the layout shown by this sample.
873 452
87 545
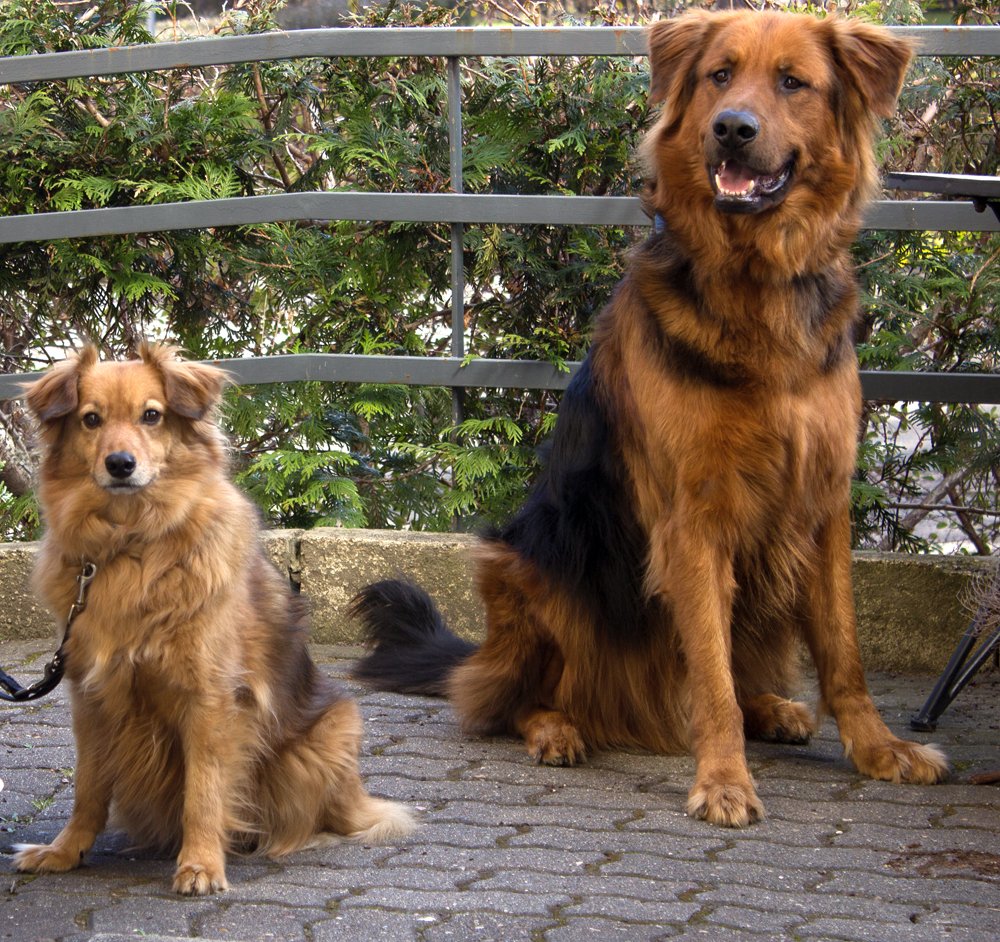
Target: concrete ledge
910 611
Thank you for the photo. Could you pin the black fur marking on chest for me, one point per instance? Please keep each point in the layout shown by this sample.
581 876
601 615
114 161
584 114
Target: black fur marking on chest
579 525
816 298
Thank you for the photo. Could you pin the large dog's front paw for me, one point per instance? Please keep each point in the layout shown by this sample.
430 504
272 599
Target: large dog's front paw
46 858
897 760
726 804
552 739
198 880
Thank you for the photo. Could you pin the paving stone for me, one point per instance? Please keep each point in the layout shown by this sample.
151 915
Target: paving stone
167 916
465 901
803 905
906 890
665 845
661 912
496 814
36 916
858 931
595 884
259 921
710 873
486 927
771 922
511 850
472 860
367 925
578 929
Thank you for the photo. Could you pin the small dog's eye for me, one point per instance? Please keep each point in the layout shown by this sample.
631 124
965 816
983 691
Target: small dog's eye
721 77
790 83
91 420
151 416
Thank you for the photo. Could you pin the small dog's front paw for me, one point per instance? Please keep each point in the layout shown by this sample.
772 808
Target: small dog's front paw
198 880
725 804
45 858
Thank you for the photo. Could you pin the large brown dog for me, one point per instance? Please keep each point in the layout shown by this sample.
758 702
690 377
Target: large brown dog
693 522
196 709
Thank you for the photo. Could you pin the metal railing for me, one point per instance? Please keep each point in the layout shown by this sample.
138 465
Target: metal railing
456 208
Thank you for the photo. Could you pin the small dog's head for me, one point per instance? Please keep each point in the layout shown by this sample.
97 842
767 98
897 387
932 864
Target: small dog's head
125 424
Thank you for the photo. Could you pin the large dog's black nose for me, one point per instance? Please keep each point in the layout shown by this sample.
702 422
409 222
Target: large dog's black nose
120 465
734 129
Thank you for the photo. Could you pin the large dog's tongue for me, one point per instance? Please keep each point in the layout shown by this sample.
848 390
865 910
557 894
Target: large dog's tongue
734 179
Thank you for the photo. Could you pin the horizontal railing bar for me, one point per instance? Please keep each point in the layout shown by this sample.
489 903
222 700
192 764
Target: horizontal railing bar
930 387
953 40
362 368
469 208
403 370
954 184
932 215
529 374
408 41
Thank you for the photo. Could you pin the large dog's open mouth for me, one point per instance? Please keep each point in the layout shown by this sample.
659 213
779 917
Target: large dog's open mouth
740 189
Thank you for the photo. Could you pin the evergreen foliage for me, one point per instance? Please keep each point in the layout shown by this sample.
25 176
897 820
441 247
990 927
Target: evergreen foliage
389 456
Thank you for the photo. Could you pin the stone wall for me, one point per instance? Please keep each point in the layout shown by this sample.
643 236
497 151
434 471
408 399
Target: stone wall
911 612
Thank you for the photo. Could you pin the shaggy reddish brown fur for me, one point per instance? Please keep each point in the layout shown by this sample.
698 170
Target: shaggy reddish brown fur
197 712
693 523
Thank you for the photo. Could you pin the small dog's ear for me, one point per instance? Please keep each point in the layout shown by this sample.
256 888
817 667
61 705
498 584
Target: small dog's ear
54 394
674 47
192 388
870 61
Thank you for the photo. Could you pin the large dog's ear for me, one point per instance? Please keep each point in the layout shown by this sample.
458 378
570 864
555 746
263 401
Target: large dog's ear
871 61
192 388
55 393
674 48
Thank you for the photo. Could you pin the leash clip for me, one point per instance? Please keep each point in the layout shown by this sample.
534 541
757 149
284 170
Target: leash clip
83 580
52 673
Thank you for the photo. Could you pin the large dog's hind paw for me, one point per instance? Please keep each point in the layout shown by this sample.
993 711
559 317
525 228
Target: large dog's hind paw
897 760
775 719
726 804
552 739
199 880
45 858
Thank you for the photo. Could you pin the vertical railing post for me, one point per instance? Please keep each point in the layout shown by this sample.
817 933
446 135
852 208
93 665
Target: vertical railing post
457 229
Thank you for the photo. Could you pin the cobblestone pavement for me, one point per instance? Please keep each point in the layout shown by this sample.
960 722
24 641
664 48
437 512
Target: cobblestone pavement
508 850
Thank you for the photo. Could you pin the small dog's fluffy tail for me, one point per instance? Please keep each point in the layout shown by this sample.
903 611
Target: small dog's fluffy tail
414 650
370 820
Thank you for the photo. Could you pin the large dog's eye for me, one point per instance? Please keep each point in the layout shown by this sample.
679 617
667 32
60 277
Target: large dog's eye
722 76
151 416
91 420
790 83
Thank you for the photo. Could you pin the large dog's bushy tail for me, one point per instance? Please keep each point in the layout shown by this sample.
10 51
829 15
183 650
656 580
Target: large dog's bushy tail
414 650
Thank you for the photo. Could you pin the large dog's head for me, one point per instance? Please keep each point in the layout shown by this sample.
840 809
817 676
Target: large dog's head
118 428
767 111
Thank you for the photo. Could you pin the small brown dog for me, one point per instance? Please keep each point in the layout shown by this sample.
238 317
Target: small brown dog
693 522
197 712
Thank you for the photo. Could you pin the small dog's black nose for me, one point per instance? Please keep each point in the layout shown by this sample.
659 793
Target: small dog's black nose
120 465
734 129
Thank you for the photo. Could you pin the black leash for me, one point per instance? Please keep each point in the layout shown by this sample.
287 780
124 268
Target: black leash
54 670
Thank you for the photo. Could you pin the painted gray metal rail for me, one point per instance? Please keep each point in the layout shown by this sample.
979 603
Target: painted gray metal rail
410 41
528 374
455 208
